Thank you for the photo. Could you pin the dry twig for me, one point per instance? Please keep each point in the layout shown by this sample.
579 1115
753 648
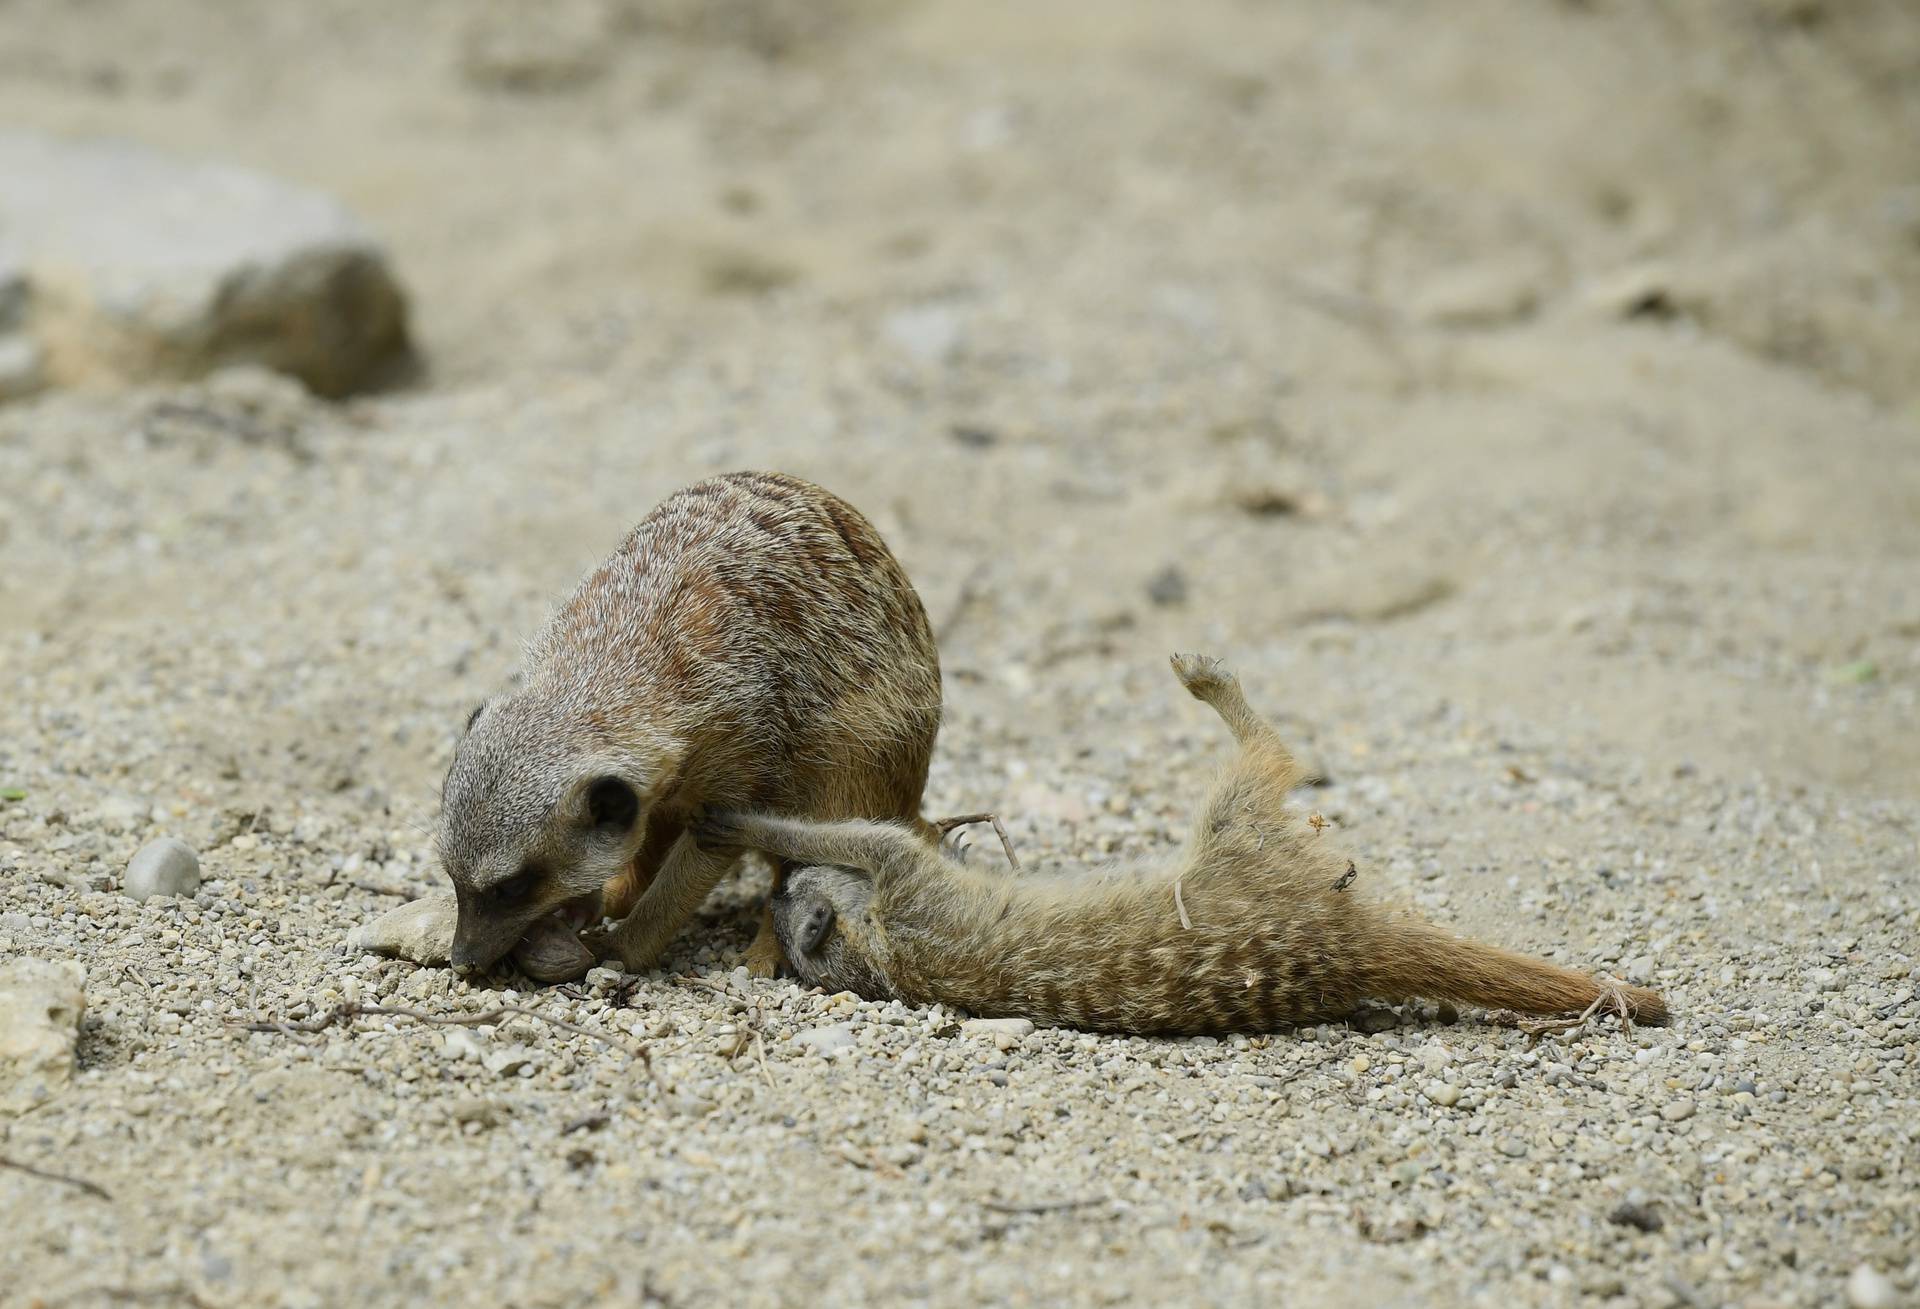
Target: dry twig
1611 1000
946 825
1043 1206
93 1189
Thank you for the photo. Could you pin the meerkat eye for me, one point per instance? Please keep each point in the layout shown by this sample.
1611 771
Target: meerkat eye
611 805
517 888
813 932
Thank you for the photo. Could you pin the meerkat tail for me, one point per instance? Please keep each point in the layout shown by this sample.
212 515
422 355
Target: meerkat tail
1419 959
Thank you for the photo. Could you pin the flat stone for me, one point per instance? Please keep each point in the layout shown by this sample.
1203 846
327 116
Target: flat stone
40 1006
130 264
163 867
997 1027
420 931
1677 1112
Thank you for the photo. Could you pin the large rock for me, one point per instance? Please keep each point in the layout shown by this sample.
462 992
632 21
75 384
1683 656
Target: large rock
120 263
40 1007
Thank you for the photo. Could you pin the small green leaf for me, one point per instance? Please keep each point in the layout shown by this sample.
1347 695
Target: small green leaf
12 793
1860 670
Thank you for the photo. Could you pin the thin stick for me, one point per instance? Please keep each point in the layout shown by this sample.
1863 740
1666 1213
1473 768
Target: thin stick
91 1188
1612 999
945 825
1043 1207
375 888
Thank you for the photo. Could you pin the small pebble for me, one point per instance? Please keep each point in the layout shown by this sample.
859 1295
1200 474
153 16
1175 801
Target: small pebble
1643 1217
166 866
826 1040
1869 1288
1677 1112
477 1109
1443 1093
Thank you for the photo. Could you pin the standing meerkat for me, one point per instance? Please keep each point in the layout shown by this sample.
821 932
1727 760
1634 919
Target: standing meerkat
752 644
1256 926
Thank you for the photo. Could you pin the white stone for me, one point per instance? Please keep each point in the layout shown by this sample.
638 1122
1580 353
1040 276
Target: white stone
40 1007
826 1040
930 333
1869 1288
166 866
511 1061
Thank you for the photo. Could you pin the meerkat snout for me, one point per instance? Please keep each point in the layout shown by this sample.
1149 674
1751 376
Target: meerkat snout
540 840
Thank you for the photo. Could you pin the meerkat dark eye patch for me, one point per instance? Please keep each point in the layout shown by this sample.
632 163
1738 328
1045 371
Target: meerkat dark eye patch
813 932
611 805
516 889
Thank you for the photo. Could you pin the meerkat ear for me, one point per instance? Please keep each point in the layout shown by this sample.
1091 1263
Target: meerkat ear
612 805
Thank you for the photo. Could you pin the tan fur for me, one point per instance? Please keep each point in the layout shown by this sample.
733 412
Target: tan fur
752 643
1276 930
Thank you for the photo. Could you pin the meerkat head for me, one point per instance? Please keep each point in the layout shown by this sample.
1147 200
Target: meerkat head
535 816
823 917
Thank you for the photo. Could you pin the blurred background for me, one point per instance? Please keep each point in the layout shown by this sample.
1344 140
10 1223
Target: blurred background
1576 341
1524 397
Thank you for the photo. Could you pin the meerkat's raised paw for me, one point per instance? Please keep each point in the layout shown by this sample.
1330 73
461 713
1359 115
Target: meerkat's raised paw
1201 674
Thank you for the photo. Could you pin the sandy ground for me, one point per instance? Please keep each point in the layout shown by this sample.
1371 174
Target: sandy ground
1524 399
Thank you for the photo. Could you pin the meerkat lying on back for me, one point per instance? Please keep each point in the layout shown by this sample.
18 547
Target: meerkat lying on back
1256 926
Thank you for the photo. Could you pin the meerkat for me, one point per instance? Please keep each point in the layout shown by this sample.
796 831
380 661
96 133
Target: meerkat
752 644
1257 925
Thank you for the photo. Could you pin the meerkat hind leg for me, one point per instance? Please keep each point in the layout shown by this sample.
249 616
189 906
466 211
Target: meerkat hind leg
1209 681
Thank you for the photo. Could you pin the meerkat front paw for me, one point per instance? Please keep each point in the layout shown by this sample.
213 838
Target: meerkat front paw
763 957
718 831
